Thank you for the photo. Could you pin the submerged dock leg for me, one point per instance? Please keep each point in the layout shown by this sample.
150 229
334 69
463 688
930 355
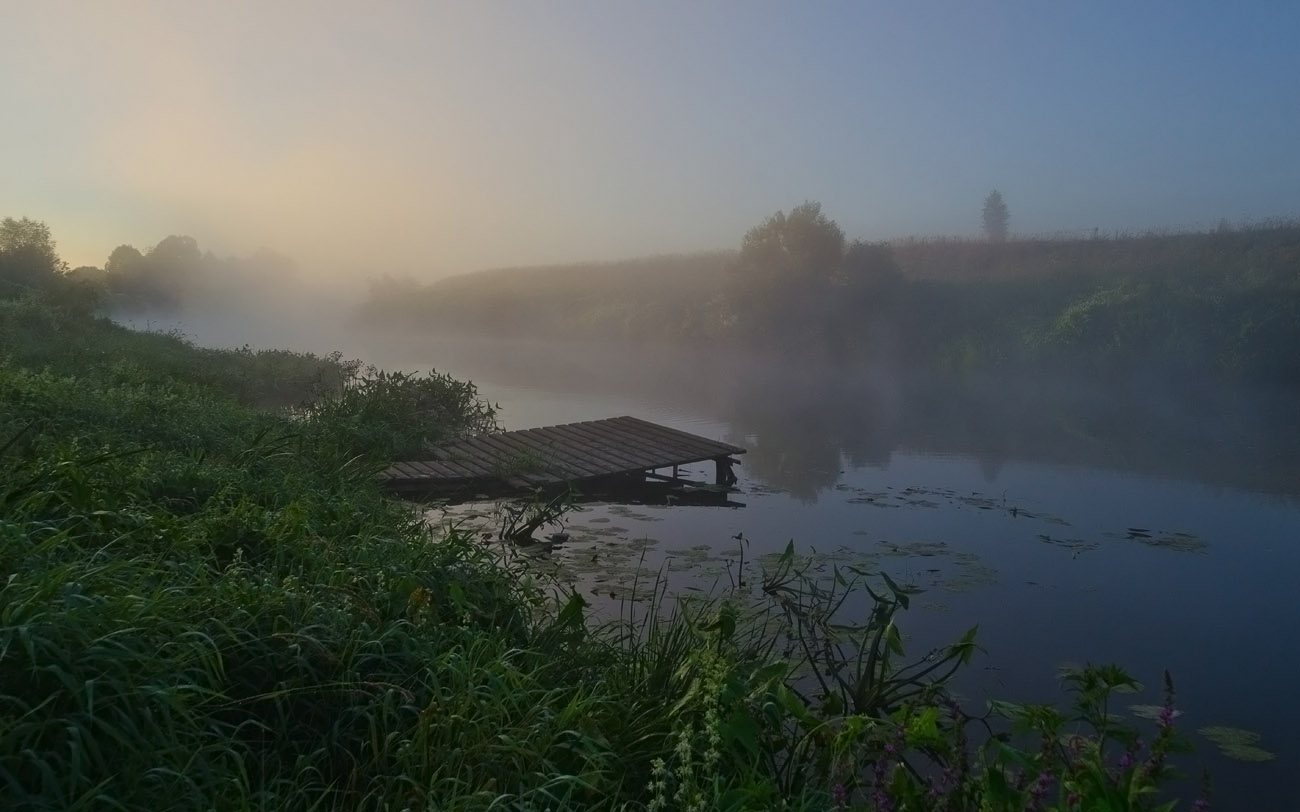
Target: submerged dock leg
724 476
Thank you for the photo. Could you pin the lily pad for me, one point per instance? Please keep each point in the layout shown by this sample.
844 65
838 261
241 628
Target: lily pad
1178 542
1074 544
1151 712
1236 744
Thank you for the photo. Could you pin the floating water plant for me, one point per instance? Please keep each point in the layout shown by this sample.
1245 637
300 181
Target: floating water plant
1236 743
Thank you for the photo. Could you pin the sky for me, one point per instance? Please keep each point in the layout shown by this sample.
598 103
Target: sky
430 138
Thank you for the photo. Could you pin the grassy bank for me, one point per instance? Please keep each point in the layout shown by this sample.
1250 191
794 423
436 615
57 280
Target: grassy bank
210 605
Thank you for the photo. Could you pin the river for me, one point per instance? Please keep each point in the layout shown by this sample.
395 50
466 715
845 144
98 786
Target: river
1136 524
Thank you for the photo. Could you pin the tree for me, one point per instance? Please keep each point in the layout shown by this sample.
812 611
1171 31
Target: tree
158 279
806 245
124 261
178 254
28 260
786 269
996 217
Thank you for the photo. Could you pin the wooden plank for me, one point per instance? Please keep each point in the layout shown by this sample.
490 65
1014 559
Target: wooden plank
667 450
709 448
599 448
427 471
660 456
639 454
439 469
547 445
504 455
421 471
458 471
487 455
674 433
555 466
637 450
593 454
651 450
570 451
616 435
510 450
466 461
672 444
406 470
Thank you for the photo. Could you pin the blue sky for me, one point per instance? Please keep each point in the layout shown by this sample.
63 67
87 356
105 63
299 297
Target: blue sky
433 138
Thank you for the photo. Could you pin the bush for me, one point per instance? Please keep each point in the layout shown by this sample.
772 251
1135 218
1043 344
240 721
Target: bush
397 415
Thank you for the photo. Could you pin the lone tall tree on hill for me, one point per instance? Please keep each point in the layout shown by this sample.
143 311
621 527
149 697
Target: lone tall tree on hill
996 217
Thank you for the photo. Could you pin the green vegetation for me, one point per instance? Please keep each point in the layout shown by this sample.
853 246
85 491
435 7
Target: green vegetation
1222 305
207 603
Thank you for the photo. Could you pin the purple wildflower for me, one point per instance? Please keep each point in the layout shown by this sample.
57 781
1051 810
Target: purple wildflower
883 803
1202 803
942 784
841 797
1038 792
1167 713
883 770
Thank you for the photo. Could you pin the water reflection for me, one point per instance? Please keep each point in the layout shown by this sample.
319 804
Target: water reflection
804 426
1237 439
1071 519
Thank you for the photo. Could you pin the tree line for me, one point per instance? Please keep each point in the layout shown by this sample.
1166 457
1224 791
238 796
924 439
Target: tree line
1214 305
162 279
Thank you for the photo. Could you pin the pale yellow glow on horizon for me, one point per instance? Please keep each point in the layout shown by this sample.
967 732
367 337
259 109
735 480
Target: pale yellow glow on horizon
403 173
429 137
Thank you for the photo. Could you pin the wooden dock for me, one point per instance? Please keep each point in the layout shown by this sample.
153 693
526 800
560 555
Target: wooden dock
617 449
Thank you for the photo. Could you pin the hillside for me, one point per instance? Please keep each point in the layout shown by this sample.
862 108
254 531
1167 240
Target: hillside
1218 305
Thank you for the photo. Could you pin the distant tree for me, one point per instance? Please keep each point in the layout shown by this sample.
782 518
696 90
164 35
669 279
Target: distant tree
177 254
996 217
155 280
806 245
785 271
31 236
28 260
124 261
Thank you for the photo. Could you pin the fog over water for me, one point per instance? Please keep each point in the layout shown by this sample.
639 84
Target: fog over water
1072 522
1142 522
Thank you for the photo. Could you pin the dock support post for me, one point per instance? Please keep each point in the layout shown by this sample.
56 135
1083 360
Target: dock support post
723 475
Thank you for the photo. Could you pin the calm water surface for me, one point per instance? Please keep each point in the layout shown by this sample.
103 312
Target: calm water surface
1182 556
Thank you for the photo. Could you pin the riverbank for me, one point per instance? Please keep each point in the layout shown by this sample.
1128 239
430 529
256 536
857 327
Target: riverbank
208 603
1210 308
